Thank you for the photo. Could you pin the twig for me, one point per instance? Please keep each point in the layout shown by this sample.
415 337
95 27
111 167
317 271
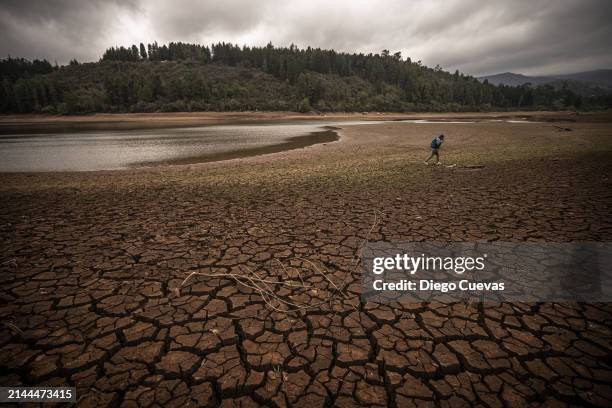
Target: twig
12 327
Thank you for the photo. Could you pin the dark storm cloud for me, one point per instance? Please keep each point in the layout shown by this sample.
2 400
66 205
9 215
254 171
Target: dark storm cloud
59 29
477 37
554 36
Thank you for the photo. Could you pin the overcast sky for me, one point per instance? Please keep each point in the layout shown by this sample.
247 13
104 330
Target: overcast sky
477 37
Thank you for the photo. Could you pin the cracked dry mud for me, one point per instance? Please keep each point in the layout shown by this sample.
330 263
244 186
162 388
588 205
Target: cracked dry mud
92 266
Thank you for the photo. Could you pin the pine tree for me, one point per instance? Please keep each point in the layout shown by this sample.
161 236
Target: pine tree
143 52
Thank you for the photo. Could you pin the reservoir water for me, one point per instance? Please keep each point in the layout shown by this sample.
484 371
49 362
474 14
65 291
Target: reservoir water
122 149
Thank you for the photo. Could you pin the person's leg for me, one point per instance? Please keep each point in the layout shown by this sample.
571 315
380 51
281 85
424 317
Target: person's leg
434 152
437 156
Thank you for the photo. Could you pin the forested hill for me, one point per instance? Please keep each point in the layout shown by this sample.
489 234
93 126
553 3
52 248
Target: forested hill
224 77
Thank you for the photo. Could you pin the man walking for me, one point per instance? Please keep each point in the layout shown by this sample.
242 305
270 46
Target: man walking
435 147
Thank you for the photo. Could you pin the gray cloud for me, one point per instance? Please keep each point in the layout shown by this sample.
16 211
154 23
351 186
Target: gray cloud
477 37
194 19
60 29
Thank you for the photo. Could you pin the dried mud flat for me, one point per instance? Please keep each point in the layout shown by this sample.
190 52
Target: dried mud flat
93 268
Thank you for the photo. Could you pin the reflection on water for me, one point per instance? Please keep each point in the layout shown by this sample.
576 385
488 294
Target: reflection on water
110 150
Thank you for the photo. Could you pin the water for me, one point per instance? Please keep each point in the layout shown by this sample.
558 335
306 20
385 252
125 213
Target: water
120 149
113 150
428 121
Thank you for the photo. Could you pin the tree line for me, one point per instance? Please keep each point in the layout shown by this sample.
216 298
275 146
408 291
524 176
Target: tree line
15 68
224 76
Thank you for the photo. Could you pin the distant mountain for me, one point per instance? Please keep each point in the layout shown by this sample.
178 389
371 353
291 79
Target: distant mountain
509 78
587 83
600 77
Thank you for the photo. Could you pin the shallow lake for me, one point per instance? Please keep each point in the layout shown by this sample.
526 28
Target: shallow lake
121 149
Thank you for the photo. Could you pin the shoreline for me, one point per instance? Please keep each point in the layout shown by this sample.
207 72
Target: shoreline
28 123
385 146
328 135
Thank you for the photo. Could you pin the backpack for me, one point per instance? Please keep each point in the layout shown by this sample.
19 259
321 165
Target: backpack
435 143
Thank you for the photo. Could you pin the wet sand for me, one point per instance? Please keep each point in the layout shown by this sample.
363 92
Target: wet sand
93 266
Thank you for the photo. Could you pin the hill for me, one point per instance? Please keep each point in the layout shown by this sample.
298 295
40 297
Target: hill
600 77
508 78
588 83
225 77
